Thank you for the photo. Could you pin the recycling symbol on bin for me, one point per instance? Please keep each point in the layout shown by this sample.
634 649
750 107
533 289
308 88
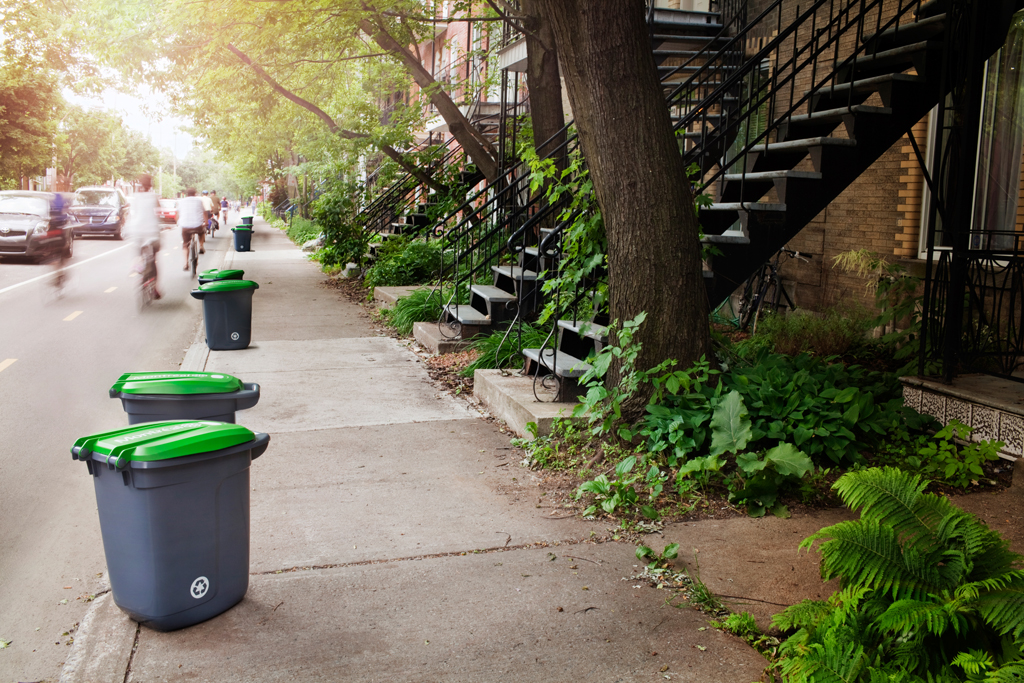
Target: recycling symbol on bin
234 336
199 587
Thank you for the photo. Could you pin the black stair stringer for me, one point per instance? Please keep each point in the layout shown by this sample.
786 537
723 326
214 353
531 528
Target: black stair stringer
770 232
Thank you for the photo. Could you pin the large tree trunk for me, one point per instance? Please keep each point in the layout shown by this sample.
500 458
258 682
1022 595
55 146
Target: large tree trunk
542 79
654 262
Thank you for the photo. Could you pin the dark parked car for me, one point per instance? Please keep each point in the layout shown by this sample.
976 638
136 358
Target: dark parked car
167 211
100 211
34 224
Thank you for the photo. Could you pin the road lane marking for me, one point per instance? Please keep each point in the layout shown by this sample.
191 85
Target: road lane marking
73 316
7 363
73 265
108 290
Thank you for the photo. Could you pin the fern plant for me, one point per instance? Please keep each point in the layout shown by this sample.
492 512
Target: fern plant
927 592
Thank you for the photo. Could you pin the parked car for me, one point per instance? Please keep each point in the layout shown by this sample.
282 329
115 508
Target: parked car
100 211
167 211
34 224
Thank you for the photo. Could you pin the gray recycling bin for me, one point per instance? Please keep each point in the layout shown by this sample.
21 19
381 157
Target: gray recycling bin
247 220
173 502
179 395
227 310
243 237
216 274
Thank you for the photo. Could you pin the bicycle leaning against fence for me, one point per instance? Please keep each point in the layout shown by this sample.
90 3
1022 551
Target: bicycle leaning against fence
763 291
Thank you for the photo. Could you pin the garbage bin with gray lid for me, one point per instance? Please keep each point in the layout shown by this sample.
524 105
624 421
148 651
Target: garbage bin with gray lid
247 220
180 395
227 310
217 274
243 237
173 502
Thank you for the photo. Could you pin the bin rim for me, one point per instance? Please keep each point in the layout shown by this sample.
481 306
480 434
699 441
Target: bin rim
226 274
159 441
175 382
228 285
241 228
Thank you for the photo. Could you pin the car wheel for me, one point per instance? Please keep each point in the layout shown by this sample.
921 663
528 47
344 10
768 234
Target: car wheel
69 248
118 235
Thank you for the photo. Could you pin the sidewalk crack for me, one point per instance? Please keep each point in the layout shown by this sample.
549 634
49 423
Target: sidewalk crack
131 657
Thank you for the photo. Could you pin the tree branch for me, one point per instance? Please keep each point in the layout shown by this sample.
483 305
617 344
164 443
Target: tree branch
332 125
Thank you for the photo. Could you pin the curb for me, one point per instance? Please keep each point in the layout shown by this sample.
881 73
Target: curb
103 644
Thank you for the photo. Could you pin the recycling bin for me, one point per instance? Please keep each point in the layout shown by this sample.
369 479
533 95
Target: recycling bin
216 274
227 310
179 395
173 502
243 237
247 220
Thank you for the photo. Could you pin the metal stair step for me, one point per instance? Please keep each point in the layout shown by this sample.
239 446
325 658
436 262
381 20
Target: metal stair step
585 328
726 238
828 119
562 364
514 272
771 176
915 31
786 155
467 315
896 59
492 293
849 93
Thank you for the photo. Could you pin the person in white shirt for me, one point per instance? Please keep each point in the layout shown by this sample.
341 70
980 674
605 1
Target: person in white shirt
142 224
192 217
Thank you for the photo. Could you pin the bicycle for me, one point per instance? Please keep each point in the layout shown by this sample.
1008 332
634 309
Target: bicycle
764 291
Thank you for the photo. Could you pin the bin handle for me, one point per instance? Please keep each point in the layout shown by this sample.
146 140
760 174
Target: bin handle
260 445
113 462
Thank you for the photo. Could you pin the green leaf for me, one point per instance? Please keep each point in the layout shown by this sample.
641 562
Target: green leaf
852 414
846 395
671 551
625 467
643 552
750 463
730 426
788 461
780 510
649 512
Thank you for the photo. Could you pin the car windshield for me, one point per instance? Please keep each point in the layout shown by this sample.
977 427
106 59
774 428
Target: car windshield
167 203
25 205
95 198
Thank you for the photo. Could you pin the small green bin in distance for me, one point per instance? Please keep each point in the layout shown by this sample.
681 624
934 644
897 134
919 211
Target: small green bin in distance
227 311
243 237
173 503
181 395
215 274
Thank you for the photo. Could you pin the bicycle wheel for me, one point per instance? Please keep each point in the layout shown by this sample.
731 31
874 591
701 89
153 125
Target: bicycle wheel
193 255
769 302
750 300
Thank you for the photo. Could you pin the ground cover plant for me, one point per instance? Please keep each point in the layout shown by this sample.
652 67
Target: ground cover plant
927 593
405 261
757 431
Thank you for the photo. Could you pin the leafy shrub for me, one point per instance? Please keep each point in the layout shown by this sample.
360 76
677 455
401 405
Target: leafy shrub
927 592
832 334
941 457
403 262
499 349
302 230
335 212
422 305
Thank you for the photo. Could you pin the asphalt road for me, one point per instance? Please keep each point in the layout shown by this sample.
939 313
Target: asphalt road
58 358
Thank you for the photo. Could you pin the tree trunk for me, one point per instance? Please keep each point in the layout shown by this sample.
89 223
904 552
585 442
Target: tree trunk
477 146
542 79
654 262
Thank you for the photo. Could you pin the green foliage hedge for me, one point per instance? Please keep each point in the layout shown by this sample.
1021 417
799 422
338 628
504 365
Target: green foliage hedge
401 261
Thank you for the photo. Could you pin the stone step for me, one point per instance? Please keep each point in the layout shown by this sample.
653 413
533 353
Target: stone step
585 328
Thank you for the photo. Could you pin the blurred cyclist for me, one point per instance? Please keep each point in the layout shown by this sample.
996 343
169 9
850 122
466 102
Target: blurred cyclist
208 207
142 224
215 209
192 217
223 212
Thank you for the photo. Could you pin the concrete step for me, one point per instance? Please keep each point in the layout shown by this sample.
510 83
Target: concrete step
562 364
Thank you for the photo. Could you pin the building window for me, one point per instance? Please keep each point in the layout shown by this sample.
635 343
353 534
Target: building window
997 221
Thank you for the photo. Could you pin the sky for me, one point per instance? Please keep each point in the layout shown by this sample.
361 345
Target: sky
142 112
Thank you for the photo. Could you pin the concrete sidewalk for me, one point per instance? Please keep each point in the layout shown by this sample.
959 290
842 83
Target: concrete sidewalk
394 536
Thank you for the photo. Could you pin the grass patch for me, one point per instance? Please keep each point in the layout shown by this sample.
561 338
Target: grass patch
302 230
423 305
499 349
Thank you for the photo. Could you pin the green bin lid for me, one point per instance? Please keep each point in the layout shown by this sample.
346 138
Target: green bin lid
161 441
228 285
214 274
247 228
176 382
